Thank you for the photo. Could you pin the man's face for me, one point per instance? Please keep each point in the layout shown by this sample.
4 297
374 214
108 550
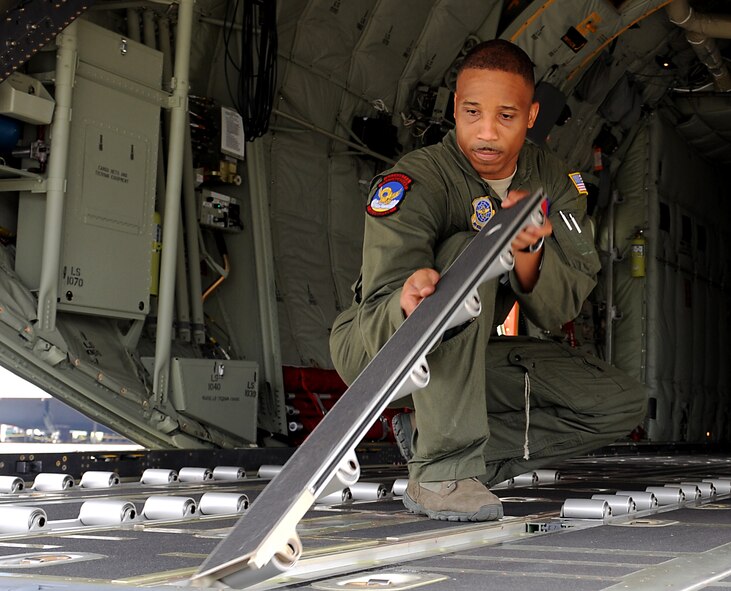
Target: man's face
493 111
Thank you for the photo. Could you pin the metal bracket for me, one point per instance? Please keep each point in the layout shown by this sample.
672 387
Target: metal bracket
347 474
470 308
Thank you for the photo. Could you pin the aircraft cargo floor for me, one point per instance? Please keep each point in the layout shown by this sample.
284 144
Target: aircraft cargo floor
378 544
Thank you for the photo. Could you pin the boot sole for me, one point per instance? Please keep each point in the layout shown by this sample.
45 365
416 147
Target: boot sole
403 433
485 513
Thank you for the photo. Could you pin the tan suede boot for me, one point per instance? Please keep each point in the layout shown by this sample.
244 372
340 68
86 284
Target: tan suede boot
453 500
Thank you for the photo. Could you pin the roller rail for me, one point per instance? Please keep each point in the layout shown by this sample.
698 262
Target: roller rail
265 543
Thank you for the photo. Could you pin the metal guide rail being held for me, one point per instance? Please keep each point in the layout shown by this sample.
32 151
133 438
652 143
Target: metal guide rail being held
264 543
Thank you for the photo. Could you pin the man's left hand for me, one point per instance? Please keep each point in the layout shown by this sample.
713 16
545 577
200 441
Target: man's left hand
531 234
527 264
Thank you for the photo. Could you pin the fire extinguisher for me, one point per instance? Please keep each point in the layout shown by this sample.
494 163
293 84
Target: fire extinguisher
638 246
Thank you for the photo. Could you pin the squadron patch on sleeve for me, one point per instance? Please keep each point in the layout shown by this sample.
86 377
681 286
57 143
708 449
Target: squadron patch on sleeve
483 209
389 194
578 183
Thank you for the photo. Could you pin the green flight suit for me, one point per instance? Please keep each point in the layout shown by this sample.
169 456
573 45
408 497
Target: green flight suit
421 214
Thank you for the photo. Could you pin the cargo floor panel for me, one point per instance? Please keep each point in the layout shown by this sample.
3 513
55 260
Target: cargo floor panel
532 547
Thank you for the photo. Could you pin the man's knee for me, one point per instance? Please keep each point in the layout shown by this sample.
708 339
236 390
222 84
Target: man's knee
346 347
623 399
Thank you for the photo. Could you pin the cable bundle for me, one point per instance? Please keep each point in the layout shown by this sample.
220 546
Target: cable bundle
256 66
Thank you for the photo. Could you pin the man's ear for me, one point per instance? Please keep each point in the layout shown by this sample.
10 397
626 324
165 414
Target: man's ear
533 113
455 101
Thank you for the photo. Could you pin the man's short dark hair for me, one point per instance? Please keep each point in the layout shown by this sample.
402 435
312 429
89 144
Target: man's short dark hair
501 55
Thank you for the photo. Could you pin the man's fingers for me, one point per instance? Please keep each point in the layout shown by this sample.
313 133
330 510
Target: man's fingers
513 197
419 285
425 281
531 235
546 229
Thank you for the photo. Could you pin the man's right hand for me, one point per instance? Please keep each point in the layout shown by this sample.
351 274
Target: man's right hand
419 285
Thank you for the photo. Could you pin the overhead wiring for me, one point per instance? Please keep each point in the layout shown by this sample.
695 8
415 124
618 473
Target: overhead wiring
251 72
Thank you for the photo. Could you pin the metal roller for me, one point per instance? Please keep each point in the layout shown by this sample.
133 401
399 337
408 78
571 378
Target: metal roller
667 495
691 491
159 476
643 500
281 561
620 504
53 482
294 426
15 519
537 218
228 473
707 489
165 507
547 476
470 308
268 471
526 479
722 486
107 512
221 503
345 476
368 491
93 479
507 260
335 498
586 509
11 484
195 475
399 487
417 379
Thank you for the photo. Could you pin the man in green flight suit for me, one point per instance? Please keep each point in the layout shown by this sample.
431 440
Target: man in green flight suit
494 407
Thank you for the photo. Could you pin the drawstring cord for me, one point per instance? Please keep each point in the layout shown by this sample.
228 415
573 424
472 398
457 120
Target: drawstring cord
526 448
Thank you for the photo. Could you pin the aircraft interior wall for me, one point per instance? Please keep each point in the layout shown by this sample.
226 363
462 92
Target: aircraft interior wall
672 329
97 354
357 85
363 66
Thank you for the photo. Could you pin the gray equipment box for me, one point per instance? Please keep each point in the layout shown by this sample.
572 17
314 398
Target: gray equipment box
219 211
106 254
221 392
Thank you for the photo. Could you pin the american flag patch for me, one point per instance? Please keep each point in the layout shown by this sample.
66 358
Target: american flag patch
578 183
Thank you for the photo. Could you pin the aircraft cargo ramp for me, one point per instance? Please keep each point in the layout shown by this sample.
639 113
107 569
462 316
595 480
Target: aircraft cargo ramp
109 535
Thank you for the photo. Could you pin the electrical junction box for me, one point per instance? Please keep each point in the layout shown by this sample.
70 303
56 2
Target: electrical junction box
220 392
108 230
219 211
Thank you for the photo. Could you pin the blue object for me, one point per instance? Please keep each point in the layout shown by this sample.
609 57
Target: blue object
9 133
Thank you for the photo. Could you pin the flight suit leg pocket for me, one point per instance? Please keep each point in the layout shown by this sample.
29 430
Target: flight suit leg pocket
560 376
